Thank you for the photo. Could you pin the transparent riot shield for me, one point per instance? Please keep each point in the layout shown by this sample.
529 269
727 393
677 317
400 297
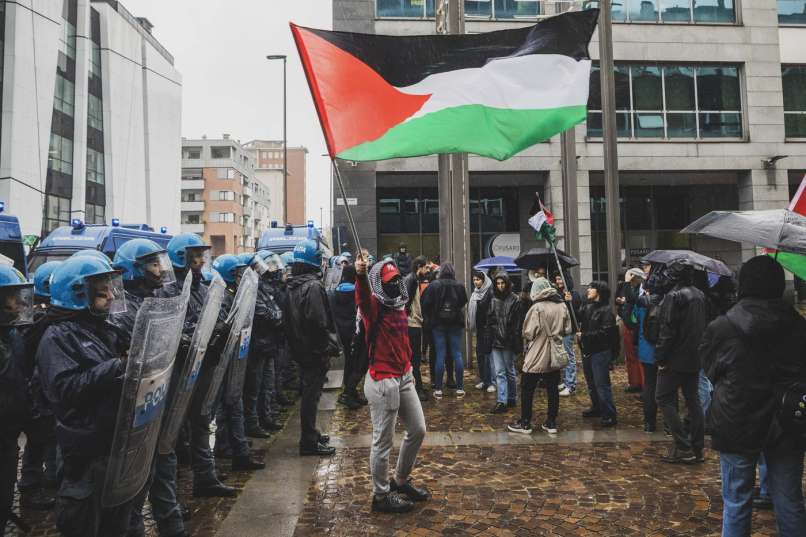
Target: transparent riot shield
155 340
185 382
236 349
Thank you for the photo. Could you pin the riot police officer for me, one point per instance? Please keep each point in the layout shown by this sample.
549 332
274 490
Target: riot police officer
188 252
312 338
81 358
230 434
17 410
146 269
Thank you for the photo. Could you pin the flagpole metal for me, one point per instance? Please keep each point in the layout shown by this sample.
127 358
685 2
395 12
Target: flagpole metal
610 144
350 220
559 268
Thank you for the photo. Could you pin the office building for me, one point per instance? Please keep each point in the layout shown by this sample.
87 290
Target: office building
709 94
91 116
268 157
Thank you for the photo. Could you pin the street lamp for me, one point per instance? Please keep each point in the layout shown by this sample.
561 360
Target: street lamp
285 141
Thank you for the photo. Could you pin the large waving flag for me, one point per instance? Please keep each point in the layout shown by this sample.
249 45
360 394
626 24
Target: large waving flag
492 94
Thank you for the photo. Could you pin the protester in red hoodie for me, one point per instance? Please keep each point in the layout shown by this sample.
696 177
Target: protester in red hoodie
390 388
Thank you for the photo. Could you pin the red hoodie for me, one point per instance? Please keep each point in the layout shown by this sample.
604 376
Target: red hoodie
392 348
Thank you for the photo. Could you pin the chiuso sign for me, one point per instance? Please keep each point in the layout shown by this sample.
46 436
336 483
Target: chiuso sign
508 244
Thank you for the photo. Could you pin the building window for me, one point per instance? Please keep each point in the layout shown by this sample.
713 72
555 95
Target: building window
57 212
226 195
225 173
95 113
191 152
226 218
192 174
95 166
60 154
191 219
64 96
794 77
671 102
791 11
96 214
673 11
95 61
217 152
192 195
415 9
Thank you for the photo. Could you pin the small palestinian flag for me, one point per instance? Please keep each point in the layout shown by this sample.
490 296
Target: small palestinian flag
492 94
798 203
543 222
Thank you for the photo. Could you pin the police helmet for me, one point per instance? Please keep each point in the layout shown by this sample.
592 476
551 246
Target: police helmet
87 283
179 245
227 266
42 278
144 259
309 253
16 297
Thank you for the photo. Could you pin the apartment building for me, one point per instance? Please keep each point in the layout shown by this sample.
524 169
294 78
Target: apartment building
268 157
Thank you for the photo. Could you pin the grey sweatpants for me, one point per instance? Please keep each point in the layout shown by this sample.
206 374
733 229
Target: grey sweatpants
388 398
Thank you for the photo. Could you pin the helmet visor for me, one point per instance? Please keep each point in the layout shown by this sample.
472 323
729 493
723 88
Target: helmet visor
16 305
259 265
197 258
238 272
105 294
274 263
157 268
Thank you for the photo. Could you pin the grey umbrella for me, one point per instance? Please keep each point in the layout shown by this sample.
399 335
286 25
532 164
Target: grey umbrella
776 229
687 257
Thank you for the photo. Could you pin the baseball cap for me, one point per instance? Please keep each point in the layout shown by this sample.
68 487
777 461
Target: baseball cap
388 272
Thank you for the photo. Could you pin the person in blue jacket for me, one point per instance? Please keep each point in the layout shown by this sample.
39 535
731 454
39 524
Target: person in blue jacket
647 301
82 361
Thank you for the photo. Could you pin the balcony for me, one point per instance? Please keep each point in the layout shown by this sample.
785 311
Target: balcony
192 184
193 228
247 192
192 206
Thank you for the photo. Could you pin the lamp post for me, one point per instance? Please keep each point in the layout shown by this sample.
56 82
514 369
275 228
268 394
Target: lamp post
285 125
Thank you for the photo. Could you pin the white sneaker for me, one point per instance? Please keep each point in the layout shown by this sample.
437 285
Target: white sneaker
438 394
565 392
460 393
491 388
480 386
561 387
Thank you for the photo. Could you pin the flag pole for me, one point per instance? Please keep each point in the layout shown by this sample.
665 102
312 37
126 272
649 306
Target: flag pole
560 269
353 228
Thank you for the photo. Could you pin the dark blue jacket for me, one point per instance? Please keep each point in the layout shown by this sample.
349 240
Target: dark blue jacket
15 376
79 360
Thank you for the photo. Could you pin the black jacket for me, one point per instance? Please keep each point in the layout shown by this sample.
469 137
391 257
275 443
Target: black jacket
683 318
484 344
444 291
342 304
198 294
748 354
598 327
630 296
411 282
505 319
135 295
16 404
309 327
269 320
403 262
79 360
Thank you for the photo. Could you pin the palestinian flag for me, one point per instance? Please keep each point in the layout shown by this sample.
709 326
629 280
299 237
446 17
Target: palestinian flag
543 222
492 94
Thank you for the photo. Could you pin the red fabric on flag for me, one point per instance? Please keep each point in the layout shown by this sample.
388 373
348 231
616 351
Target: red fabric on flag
798 204
549 216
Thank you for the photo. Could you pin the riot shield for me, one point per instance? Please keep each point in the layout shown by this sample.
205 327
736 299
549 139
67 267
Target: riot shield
236 349
155 339
185 382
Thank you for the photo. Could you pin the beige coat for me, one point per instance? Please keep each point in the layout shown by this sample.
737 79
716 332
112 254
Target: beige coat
544 320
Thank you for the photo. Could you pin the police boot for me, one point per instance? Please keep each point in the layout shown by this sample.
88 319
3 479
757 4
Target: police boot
215 490
257 432
271 424
246 463
37 500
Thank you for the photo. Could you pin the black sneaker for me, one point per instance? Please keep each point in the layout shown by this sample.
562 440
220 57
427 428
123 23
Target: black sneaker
591 413
609 422
350 401
246 463
519 427
391 503
499 408
550 427
320 450
676 456
413 493
257 432
215 490
649 427
699 456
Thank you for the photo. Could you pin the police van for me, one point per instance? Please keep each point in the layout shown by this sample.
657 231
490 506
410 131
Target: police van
11 244
283 239
64 241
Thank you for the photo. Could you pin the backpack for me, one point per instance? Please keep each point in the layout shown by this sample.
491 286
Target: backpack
791 411
651 326
448 313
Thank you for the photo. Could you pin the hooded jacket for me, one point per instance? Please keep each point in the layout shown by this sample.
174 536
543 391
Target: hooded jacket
683 318
750 354
268 323
546 320
79 360
444 291
598 326
309 327
504 317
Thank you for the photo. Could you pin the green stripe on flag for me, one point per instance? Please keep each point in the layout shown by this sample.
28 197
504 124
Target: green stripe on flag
490 132
794 263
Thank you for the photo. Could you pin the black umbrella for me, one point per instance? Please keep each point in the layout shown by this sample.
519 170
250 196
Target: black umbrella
687 257
543 257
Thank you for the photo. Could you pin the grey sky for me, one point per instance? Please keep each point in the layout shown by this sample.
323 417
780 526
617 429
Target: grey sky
220 48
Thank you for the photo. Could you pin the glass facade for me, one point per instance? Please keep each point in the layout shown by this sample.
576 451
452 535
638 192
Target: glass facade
411 215
416 9
671 102
96 178
675 11
794 79
791 11
652 216
2 53
485 9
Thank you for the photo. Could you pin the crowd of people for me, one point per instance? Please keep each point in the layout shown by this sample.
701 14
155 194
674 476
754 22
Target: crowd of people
732 352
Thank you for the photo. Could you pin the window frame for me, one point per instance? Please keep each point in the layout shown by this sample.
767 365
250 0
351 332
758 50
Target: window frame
632 112
788 138
788 24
